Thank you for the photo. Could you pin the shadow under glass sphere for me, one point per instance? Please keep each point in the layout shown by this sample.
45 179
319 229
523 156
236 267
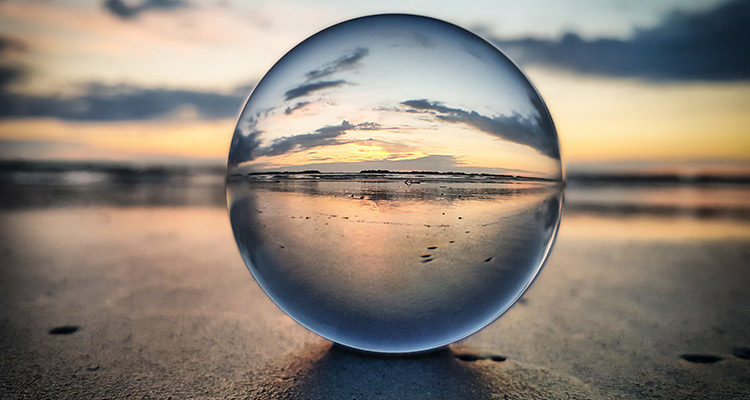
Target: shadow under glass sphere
394 183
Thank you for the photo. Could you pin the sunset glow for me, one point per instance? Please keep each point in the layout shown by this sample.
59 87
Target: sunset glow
166 84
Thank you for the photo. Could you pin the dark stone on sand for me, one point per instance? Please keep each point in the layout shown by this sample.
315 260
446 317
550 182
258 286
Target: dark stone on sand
476 357
468 357
92 369
425 261
452 241
488 259
426 255
460 217
432 248
64 330
701 358
741 352
282 246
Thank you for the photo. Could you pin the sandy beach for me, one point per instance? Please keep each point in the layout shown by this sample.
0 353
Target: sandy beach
140 292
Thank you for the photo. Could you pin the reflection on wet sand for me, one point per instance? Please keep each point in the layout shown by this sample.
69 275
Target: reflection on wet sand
377 263
664 211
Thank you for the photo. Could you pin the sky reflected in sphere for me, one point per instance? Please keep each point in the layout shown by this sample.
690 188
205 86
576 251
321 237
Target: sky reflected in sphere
394 183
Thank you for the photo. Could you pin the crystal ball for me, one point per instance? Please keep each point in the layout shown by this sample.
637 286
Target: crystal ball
394 183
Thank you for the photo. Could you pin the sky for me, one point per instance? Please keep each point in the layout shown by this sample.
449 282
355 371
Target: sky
163 81
395 92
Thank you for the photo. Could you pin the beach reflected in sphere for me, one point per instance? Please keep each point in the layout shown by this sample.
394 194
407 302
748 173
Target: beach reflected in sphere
394 183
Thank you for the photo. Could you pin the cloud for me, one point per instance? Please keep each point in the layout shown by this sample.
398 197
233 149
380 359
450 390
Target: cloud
308 88
710 45
9 44
10 72
325 136
529 131
8 75
247 147
243 146
345 62
296 107
122 10
99 102
118 103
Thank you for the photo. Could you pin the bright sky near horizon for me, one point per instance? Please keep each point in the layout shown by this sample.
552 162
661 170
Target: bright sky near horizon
163 80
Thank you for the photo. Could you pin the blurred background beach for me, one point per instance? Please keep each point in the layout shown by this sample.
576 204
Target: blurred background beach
115 124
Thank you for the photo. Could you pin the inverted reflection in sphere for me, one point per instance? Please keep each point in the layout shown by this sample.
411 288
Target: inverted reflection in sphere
394 183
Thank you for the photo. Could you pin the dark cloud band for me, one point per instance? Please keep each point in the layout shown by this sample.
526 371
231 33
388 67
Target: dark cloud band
247 147
327 135
712 45
122 10
308 88
117 103
345 62
534 131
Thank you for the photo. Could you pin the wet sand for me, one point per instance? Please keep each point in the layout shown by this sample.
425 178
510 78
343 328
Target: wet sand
149 298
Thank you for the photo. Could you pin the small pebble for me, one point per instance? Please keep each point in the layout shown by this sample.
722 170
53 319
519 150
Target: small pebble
701 358
477 357
64 330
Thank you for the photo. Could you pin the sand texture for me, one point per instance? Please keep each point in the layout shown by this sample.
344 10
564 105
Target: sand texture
151 299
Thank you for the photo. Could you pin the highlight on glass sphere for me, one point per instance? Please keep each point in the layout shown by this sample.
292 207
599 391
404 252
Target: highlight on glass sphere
394 183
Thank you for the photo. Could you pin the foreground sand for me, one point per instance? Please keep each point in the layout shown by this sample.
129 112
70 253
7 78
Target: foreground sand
627 307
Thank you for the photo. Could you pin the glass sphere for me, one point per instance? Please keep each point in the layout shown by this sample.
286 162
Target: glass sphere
394 183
